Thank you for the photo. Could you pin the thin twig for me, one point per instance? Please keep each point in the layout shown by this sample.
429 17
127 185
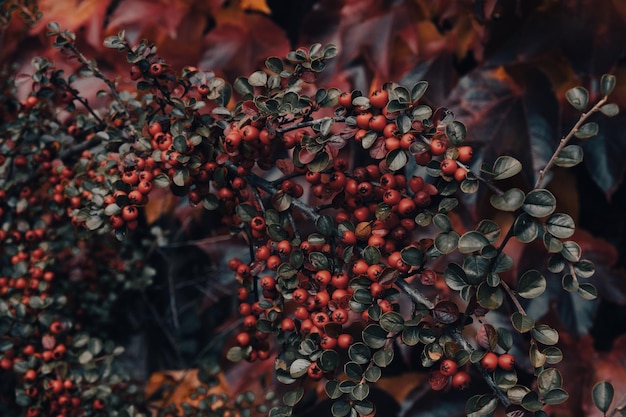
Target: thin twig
566 139
414 293
308 123
513 297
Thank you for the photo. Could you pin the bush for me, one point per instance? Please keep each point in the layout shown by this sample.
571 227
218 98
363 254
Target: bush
354 209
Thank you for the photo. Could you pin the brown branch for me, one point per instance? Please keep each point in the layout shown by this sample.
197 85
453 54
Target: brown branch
566 139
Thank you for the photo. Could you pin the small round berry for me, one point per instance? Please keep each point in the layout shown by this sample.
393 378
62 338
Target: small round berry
448 367
506 362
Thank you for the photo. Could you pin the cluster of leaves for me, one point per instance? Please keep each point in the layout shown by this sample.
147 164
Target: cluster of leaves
212 143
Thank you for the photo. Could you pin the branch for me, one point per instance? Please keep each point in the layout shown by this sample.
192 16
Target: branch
414 293
566 139
308 123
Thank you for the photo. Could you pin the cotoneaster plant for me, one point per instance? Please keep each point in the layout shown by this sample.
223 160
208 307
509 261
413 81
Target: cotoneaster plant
355 245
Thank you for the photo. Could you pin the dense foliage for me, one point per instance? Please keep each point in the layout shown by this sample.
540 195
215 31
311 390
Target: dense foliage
415 234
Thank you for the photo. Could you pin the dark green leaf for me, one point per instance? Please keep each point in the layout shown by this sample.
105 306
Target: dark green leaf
359 353
374 336
325 224
539 203
506 167
472 242
525 228
332 389
531 401
578 97
328 360
555 396
299 367
360 391
455 277
411 256
531 284
560 225
446 242
418 91
607 84
587 291
545 335
392 322
489 297
587 130
511 200
456 132
396 159
522 323
481 405
292 398
340 408
610 110
602 394
383 357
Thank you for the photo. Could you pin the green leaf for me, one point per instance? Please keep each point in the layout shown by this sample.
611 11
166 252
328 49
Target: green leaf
549 379
610 109
517 393
569 156
328 360
587 291
446 242
560 225
553 355
411 256
489 297
455 277
292 398
481 405
374 336
489 229
578 97
359 353
552 244
422 112
505 379
531 284
539 203
383 357
531 401
588 130
360 391
456 132
472 242
325 224
522 323
299 368
392 322
556 396
602 394
510 200
525 228
506 167
545 335
340 408
476 268
607 84
274 64
245 212
442 221
363 408
396 159
571 251
373 373
537 359
332 389
85 357
411 335
354 372
418 91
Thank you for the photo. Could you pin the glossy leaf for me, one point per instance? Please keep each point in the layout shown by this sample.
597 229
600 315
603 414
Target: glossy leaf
602 394
531 285
539 203
578 97
560 225
607 84
588 130
522 323
545 335
506 167
510 200
570 156
472 242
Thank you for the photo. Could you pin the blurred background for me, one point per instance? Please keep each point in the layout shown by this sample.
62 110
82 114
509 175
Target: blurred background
502 67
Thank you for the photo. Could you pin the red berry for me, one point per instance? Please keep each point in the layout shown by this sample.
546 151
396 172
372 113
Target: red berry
461 380
489 362
448 367
448 166
379 98
506 362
